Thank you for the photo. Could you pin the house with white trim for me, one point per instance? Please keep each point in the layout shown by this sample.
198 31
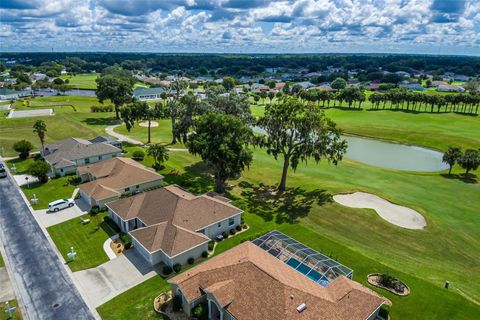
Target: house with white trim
170 225
111 179
64 156
248 282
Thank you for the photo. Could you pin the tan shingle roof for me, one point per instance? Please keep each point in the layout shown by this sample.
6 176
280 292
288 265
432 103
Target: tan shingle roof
113 175
263 287
169 238
172 216
174 204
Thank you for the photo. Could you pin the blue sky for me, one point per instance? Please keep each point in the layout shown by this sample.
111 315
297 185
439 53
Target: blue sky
244 26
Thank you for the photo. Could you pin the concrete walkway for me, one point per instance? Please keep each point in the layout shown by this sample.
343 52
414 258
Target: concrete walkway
108 280
121 137
6 290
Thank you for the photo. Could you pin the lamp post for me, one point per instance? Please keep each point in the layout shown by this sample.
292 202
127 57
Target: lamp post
14 168
28 183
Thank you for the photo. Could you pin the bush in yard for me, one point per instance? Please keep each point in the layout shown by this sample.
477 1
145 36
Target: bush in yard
177 267
232 231
200 311
225 235
40 170
23 147
138 155
191 260
205 254
94 210
127 241
238 227
167 270
176 303
211 245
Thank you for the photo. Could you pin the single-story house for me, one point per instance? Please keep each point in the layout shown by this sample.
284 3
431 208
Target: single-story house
8 94
64 156
412 86
450 88
247 282
148 93
113 142
171 225
39 76
110 179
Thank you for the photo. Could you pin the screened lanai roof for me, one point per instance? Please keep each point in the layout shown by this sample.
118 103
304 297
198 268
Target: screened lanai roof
314 265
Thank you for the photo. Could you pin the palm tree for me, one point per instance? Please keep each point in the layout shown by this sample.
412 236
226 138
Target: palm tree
159 153
40 127
451 156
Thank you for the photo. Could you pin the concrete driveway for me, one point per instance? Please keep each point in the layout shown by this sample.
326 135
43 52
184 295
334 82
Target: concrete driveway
44 286
47 219
6 290
108 280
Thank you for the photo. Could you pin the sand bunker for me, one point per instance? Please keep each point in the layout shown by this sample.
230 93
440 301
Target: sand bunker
398 215
145 124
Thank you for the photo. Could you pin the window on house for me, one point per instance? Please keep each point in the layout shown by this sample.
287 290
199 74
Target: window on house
231 221
127 189
61 170
87 160
219 225
137 186
99 157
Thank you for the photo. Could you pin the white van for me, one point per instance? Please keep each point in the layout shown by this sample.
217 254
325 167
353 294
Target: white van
60 204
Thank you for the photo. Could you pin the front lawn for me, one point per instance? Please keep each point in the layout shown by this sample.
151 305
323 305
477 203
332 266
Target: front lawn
54 189
4 315
86 239
21 165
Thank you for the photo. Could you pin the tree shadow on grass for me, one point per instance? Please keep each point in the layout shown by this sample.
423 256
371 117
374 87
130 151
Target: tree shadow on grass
197 178
289 206
470 178
101 121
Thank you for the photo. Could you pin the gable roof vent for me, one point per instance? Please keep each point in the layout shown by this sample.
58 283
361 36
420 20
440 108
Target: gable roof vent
301 307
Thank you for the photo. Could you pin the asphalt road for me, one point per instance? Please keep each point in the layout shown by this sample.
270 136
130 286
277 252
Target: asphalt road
46 290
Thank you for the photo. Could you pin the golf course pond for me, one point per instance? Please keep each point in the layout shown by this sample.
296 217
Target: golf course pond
390 155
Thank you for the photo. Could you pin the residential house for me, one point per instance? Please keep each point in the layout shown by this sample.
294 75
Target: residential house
412 86
279 85
143 94
8 94
171 225
64 156
247 282
323 88
305 84
437 83
39 76
110 179
449 88
461 78
257 88
113 142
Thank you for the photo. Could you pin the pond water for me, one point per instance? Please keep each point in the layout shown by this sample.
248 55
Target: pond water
390 155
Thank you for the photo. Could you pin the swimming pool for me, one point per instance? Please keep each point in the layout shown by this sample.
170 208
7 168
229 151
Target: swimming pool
306 270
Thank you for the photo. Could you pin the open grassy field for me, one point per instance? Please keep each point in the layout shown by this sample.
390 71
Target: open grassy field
359 238
86 239
82 81
72 119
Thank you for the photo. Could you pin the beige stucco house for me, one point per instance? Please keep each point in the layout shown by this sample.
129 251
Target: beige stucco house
171 225
111 179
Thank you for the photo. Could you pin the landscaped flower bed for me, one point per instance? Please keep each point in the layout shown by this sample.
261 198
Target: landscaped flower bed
388 282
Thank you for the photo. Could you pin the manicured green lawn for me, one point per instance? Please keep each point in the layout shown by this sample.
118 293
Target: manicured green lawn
86 239
160 134
54 189
20 165
72 118
82 81
446 250
16 315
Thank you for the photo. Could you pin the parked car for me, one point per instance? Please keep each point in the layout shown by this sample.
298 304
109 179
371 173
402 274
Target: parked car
60 204
3 171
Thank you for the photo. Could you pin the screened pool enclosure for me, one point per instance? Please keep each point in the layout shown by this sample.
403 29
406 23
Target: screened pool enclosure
314 265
